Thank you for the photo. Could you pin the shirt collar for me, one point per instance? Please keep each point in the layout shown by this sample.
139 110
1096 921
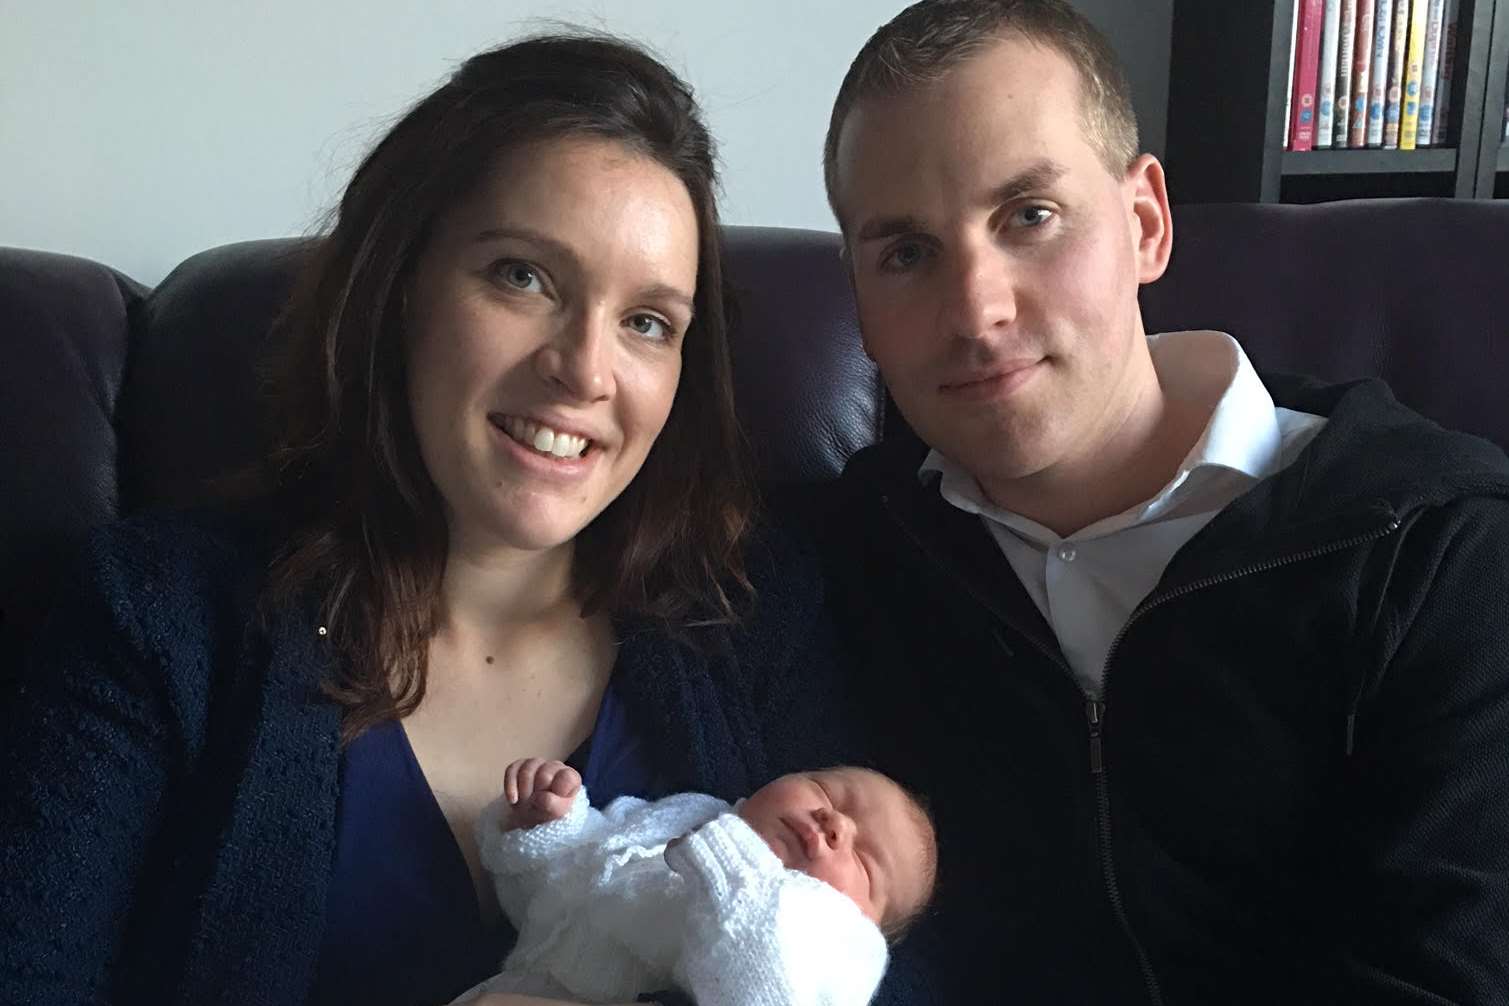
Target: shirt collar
1242 436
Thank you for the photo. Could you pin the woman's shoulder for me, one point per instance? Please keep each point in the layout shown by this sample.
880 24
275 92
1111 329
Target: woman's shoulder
183 550
166 569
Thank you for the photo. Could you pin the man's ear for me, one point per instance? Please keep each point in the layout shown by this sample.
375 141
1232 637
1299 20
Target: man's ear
1151 220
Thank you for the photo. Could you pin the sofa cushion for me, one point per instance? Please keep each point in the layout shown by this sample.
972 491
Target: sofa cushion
807 394
191 410
63 325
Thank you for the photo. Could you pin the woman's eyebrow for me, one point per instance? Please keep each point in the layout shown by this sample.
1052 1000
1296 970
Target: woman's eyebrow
664 291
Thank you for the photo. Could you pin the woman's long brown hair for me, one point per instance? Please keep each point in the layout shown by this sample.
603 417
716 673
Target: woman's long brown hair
368 540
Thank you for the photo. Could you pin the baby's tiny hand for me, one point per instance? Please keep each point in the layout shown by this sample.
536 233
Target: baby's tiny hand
539 791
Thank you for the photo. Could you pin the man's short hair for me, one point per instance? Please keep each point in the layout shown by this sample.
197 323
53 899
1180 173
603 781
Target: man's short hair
921 44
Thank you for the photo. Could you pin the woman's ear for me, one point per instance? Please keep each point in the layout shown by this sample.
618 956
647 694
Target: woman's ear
1152 223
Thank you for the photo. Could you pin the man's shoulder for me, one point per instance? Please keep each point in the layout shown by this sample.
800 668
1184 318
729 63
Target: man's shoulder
1374 445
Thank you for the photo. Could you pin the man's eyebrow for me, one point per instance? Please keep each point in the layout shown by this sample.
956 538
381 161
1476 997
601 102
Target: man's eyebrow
879 228
1038 175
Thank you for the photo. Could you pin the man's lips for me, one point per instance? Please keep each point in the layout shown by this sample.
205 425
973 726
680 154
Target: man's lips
998 380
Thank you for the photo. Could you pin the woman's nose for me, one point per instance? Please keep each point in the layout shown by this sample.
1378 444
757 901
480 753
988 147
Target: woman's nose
578 360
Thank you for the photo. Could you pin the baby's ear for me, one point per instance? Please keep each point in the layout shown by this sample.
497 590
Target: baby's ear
740 802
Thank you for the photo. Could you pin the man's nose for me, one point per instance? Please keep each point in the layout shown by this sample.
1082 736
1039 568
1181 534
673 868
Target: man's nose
979 295
578 359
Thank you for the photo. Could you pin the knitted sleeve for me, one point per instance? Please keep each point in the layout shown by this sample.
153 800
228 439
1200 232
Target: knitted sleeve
761 935
794 666
91 745
525 861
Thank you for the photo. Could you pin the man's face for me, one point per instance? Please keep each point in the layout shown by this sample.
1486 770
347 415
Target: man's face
996 262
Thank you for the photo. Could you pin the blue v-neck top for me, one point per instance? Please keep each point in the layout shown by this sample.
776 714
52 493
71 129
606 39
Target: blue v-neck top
403 927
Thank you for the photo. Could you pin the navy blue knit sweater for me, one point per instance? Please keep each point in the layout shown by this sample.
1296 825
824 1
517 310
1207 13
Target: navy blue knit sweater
170 777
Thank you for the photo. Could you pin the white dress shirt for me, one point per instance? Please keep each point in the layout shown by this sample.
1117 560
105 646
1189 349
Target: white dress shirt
1088 584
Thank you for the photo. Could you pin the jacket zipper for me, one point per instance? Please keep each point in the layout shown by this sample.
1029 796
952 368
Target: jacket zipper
1095 712
1095 709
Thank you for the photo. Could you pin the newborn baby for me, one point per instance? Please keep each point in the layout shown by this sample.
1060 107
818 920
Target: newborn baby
788 897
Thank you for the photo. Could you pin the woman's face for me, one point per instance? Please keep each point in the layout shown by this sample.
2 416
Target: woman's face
544 329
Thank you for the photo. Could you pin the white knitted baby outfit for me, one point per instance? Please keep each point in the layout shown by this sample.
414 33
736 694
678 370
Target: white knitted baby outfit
605 912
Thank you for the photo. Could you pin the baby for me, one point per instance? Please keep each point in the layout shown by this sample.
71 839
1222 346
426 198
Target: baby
788 897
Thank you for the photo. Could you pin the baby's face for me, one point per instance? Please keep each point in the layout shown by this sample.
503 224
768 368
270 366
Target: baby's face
853 829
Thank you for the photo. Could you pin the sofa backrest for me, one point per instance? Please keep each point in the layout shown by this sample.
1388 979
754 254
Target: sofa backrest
87 433
100 414
1415 291
63 342
190 408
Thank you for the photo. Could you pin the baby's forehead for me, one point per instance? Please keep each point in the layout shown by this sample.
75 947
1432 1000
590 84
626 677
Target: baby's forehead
879 794
872 783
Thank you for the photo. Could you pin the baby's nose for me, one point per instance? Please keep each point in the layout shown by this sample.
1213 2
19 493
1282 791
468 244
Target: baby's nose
837 827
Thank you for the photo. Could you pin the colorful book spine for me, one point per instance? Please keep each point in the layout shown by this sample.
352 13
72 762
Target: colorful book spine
1289 77
1325 84
1306 73
1362 63
1383 31
1398 49
1442 115
1414 74
1344 60
1431 69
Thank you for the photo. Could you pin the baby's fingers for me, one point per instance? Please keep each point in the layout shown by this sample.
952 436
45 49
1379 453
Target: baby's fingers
519 779
550 806
560 779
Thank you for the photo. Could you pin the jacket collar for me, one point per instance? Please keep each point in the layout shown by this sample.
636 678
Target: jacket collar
1375 463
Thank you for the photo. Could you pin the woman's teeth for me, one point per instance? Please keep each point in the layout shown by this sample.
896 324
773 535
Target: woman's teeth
543 439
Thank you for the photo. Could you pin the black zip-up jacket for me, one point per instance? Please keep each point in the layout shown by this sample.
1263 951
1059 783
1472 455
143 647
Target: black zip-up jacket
1296 787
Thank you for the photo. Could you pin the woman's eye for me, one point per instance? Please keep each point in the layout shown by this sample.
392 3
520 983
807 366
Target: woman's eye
650 327
520 276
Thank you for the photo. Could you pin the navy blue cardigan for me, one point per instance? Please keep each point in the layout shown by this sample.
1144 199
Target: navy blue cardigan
170 766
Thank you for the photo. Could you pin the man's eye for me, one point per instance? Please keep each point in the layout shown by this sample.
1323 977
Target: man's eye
1034 216
650 327
904 256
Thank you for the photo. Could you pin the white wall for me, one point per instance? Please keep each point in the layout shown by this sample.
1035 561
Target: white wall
138 133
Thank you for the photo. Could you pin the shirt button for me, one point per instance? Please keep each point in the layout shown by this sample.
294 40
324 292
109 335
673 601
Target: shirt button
1067 553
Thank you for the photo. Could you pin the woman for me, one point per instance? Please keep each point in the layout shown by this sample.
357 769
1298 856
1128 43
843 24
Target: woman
507 517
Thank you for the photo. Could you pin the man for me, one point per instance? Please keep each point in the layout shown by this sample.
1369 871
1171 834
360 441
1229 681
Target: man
1206 675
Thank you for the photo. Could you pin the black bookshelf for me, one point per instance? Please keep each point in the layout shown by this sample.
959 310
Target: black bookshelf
1424 161
1228 91
1492 154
